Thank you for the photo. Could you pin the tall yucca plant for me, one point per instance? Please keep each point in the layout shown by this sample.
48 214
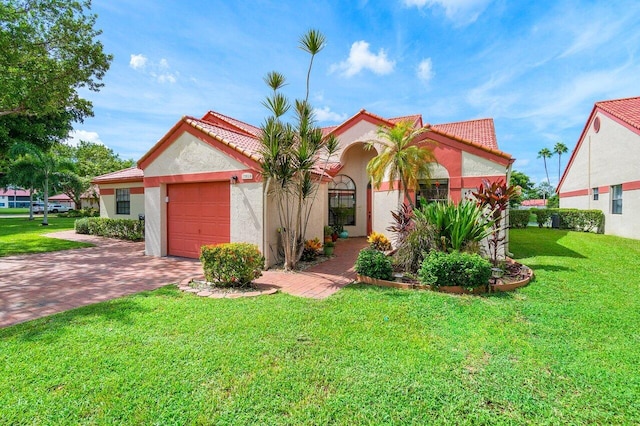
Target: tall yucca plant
400 159
294 156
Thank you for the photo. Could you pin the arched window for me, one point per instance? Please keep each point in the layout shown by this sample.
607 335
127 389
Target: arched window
342 201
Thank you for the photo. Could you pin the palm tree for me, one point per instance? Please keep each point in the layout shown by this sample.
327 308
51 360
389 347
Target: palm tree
50 166
400 158
544 153
25 173
560 149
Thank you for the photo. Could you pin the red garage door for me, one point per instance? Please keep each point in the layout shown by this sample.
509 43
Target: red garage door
197 214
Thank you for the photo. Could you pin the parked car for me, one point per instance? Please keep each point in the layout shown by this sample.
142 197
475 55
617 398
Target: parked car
38 207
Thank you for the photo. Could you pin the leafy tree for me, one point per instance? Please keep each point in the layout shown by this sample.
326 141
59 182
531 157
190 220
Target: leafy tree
292 156
48 51
545 190
400 158
545 153
90 160
42 131
51 169
526 185
560 149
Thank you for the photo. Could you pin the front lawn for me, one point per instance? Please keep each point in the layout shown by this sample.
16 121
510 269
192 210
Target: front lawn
20 235
14 210
563 350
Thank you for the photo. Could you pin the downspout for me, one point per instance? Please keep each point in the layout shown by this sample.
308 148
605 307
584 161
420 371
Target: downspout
265 217
506 242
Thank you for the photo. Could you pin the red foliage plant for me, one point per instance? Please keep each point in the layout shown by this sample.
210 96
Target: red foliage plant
495 196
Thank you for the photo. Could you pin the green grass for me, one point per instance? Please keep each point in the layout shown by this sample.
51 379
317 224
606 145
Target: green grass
15 210
21 236
563 350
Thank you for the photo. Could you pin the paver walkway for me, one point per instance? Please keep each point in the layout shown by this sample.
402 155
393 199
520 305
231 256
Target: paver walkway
37 285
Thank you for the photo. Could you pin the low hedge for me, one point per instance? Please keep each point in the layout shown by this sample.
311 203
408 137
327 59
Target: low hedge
86 212
573 219
455 269
519 218
231 264
123 229
373 263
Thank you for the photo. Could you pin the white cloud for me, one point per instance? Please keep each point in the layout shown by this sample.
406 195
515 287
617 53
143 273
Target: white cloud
325 114
425 70
138 62
360 57
75 136
160 71
462 12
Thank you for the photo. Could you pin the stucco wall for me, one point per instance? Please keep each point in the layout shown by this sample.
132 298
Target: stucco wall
188 154
472 165
246 213
384 202
108 201
155 221
606 158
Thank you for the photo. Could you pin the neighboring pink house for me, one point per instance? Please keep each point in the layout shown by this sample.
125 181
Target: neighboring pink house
62 199
201 182
533 204
603 171
10 198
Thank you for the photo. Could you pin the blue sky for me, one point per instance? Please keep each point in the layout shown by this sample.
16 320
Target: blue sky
536 68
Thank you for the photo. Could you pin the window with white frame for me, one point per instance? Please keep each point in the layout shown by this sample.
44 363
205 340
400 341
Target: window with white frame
123 201
596 193
616 199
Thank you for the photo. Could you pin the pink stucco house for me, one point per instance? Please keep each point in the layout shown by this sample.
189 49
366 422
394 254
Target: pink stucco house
201 182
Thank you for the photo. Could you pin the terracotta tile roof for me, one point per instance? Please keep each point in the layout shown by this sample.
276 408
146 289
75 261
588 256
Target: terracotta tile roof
245 144
239 125
60 197
131 174
11 192
534 203
416 119
627 110
481 132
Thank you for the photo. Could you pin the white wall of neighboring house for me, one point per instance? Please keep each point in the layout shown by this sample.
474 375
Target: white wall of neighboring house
603 159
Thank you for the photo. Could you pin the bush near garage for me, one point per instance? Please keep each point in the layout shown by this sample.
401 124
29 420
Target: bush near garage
231 264
123 229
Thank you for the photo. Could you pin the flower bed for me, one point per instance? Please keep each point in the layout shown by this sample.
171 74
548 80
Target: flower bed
517 275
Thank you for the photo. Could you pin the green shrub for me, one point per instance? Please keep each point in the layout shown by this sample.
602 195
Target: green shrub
519 218
373 263
573 219
231 264
82 226
123 229
456 268
456 225
86 212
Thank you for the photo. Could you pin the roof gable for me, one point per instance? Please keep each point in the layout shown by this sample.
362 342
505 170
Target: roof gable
626 111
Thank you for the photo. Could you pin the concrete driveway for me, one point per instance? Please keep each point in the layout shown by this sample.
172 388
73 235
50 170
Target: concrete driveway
37 285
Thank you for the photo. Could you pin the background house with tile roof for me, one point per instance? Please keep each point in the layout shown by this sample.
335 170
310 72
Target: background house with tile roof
201 182
603 172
